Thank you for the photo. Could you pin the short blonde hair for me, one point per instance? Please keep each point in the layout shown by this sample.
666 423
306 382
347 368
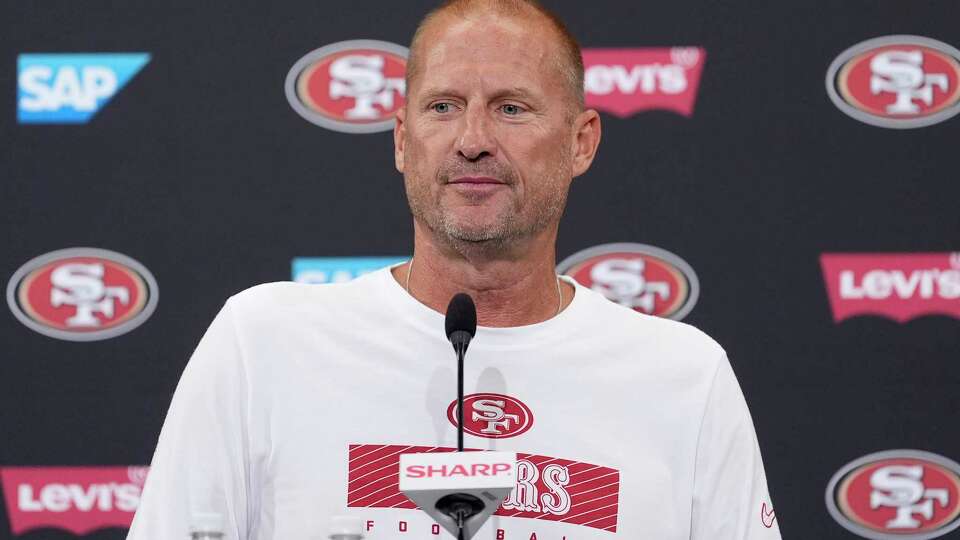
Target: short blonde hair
570 62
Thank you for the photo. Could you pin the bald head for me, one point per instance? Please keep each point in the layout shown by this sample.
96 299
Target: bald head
566 52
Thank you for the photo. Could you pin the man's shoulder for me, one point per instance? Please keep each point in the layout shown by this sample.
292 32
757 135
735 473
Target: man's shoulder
649 332
293 298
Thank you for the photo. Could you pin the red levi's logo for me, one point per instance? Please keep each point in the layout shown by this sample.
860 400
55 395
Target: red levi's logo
626 81
494 416
548 488
901 286
77 499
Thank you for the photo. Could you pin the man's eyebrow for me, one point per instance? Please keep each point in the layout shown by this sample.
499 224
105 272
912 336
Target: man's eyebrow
515 92
434 93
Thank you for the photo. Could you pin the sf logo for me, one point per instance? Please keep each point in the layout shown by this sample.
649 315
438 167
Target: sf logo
490 412
81 285
901 488
361 78
492 416
901 73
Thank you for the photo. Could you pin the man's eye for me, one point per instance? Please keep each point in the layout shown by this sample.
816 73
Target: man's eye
441 107
511 110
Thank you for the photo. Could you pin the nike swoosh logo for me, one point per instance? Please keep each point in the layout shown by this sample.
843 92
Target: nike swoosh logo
767 517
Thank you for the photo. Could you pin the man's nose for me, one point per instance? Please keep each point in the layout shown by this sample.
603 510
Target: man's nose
476 140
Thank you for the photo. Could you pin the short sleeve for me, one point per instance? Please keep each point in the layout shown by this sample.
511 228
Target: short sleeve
201 461
730 499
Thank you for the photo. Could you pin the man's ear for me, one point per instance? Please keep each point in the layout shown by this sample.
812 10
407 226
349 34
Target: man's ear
586 139
399 134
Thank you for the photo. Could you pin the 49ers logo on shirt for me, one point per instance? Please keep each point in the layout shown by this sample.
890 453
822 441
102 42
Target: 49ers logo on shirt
77 499
351 86
548 488
82 294
897 81
494 416
643 278
897 494
626 81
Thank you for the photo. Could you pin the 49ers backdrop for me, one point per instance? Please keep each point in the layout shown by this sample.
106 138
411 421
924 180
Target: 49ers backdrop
781 175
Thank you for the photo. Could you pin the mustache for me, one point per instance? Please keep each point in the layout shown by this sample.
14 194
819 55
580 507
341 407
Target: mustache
488 167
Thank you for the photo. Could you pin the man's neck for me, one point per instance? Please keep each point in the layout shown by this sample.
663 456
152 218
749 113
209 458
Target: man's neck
508 291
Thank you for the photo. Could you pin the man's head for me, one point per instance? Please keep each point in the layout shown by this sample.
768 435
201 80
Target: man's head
493 130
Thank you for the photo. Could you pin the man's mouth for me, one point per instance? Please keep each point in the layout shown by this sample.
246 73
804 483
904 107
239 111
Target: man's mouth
476 180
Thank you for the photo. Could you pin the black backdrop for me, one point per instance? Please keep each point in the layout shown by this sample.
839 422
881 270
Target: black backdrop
200 169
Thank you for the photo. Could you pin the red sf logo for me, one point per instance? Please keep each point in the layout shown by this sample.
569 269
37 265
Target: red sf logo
82 294
350 86
494 416
897 81
643 278
909 493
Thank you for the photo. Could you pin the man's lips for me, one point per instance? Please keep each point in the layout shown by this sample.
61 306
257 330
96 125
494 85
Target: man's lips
476 180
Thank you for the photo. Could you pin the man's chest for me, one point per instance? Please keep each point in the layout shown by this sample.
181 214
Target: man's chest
594 457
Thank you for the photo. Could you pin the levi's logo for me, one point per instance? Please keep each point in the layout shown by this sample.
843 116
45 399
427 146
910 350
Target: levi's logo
77 499
901 286
444 471
626 81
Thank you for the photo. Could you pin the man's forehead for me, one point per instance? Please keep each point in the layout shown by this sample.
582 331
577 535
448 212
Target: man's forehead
484 39
458 46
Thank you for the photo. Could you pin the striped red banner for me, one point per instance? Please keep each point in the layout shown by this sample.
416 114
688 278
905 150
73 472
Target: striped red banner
548 488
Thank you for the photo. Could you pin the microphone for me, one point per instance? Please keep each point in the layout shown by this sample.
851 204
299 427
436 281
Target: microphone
460 325
459 490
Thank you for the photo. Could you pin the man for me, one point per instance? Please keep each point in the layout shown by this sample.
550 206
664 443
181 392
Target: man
300 398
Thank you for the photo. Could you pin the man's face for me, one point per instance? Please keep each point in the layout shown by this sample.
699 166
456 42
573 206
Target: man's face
485 141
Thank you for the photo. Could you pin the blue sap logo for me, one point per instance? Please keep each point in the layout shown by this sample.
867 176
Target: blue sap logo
338 269
71 88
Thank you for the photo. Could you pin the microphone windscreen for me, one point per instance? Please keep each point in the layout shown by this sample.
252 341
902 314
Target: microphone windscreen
461 315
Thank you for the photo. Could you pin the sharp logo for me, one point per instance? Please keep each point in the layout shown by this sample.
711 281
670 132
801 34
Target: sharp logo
76 499
897 494
492 416
71 88
351 86
476 469
897 81
82 294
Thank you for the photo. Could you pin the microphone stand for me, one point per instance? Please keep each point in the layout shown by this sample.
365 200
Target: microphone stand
461 351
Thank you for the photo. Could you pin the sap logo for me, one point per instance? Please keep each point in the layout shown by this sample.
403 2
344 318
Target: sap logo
71 88
338 269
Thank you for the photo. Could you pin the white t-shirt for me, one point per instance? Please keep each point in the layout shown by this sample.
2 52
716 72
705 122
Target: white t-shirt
299 399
